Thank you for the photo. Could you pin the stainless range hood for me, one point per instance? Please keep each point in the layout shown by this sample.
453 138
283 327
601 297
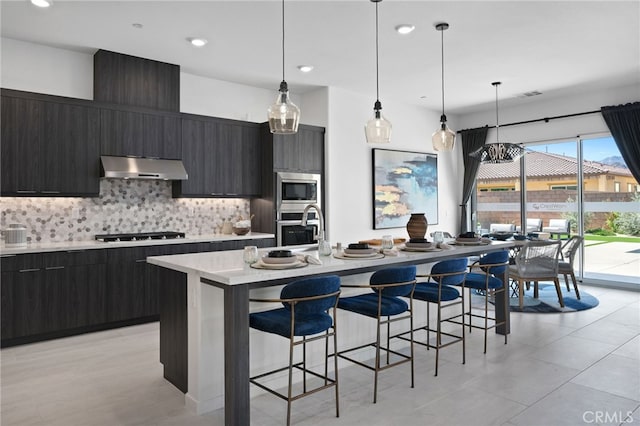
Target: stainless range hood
142 168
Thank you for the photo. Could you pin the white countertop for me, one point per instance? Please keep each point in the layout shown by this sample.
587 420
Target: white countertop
92 244
228 268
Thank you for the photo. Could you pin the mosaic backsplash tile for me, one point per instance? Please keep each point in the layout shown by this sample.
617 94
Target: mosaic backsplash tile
124 206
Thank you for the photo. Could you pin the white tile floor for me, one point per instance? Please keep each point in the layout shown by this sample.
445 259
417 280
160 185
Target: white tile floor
557 369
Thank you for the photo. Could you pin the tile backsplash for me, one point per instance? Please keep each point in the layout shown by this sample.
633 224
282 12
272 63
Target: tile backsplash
124 206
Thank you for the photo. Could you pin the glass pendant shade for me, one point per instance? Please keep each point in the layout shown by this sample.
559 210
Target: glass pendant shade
444 138
378 129
284 115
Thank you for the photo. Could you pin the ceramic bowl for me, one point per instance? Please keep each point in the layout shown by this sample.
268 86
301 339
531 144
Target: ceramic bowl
279 260
241 231
280 253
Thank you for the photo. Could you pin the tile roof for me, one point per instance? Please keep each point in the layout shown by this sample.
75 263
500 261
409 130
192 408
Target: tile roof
543 164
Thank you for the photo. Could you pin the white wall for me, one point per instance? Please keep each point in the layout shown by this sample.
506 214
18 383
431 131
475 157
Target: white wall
555 129
349 164
42 69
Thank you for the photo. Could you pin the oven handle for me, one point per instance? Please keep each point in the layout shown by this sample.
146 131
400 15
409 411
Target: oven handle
296 222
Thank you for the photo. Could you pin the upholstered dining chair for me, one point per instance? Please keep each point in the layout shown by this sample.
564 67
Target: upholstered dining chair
384 304
445 275
565 266
308 314
536 261
487 279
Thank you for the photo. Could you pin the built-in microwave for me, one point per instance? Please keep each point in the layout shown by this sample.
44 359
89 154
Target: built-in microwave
297 189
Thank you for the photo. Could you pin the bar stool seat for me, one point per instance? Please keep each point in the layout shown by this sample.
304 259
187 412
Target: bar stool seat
305 317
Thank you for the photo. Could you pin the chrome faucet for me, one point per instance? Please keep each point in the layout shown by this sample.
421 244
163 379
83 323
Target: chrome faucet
323 246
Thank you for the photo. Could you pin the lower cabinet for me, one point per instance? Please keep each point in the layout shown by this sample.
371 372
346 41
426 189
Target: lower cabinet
46 295
50 295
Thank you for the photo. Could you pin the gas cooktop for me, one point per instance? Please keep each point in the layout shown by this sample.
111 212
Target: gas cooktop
166 235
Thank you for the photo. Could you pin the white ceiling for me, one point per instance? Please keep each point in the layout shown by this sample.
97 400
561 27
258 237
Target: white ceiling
557 48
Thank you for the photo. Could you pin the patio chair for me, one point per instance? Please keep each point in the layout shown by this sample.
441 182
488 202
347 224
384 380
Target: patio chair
536 261
568 254
501 227
558 227
533 225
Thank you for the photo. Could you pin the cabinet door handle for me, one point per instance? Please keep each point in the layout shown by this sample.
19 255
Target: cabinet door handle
7 255
216 193
50 192
76 251
24 191
53 268
141 260
29 270
232 193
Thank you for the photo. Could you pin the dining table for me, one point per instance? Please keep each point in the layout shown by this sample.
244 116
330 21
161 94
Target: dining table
218 287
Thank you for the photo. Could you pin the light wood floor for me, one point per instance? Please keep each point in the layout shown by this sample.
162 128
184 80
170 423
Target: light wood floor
557 369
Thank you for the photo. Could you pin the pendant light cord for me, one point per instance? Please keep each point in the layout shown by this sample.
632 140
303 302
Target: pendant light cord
442 68
377 78
282 40
496 84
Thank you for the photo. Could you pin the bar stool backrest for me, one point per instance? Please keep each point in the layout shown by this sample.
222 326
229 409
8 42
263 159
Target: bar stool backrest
310 287
401 274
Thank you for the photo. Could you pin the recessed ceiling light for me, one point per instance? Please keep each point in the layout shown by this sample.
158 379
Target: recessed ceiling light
197 42
405 28
42 3
305 68
137 25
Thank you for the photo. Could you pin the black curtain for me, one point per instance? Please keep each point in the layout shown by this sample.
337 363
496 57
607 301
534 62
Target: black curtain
472 139
624 123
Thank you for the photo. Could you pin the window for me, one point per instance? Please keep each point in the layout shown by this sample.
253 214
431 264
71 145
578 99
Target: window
630 187
572 187
616 186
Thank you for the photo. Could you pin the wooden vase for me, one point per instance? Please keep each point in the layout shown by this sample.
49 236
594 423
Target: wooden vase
417 225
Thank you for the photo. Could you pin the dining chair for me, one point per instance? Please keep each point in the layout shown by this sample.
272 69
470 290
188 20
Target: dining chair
384 304
308 314
565 266
445 275
536 261
487 280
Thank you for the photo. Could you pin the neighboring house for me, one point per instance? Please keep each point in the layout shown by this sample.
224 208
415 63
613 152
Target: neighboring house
547 171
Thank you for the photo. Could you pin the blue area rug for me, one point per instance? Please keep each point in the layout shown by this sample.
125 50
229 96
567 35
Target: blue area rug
547 301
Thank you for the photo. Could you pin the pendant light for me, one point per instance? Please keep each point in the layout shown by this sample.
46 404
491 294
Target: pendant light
443 138
284 115
378 129
498 152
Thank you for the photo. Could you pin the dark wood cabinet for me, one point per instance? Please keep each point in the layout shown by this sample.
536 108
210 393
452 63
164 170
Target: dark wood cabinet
300 152
222 158
129 80
139 134
50 146
46 295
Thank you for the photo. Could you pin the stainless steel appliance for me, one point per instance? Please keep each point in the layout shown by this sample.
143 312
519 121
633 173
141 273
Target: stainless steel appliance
290 232
164 235
297 189
294 191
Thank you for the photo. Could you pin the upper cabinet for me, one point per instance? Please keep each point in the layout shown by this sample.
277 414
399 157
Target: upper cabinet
50 146
129 80
222 158
126 132
303 151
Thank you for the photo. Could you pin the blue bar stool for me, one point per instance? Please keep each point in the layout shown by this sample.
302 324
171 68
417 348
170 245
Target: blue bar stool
490 267
309 310
384 304
445 275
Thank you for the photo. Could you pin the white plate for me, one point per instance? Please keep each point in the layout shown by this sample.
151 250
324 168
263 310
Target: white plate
360 251
261 265
279 260
358 256
421 249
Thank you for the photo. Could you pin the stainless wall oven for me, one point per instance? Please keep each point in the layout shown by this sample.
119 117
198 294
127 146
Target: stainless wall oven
289 232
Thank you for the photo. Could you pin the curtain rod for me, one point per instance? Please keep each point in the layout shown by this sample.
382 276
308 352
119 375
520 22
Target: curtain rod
547 119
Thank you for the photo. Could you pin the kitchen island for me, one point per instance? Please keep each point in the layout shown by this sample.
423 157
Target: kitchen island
217 305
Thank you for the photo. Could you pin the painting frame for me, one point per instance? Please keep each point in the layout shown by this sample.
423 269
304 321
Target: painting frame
403 182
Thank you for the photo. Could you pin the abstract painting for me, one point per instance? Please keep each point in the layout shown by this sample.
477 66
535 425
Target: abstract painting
403 183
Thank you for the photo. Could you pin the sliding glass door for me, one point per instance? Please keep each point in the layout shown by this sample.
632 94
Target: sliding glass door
583 184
